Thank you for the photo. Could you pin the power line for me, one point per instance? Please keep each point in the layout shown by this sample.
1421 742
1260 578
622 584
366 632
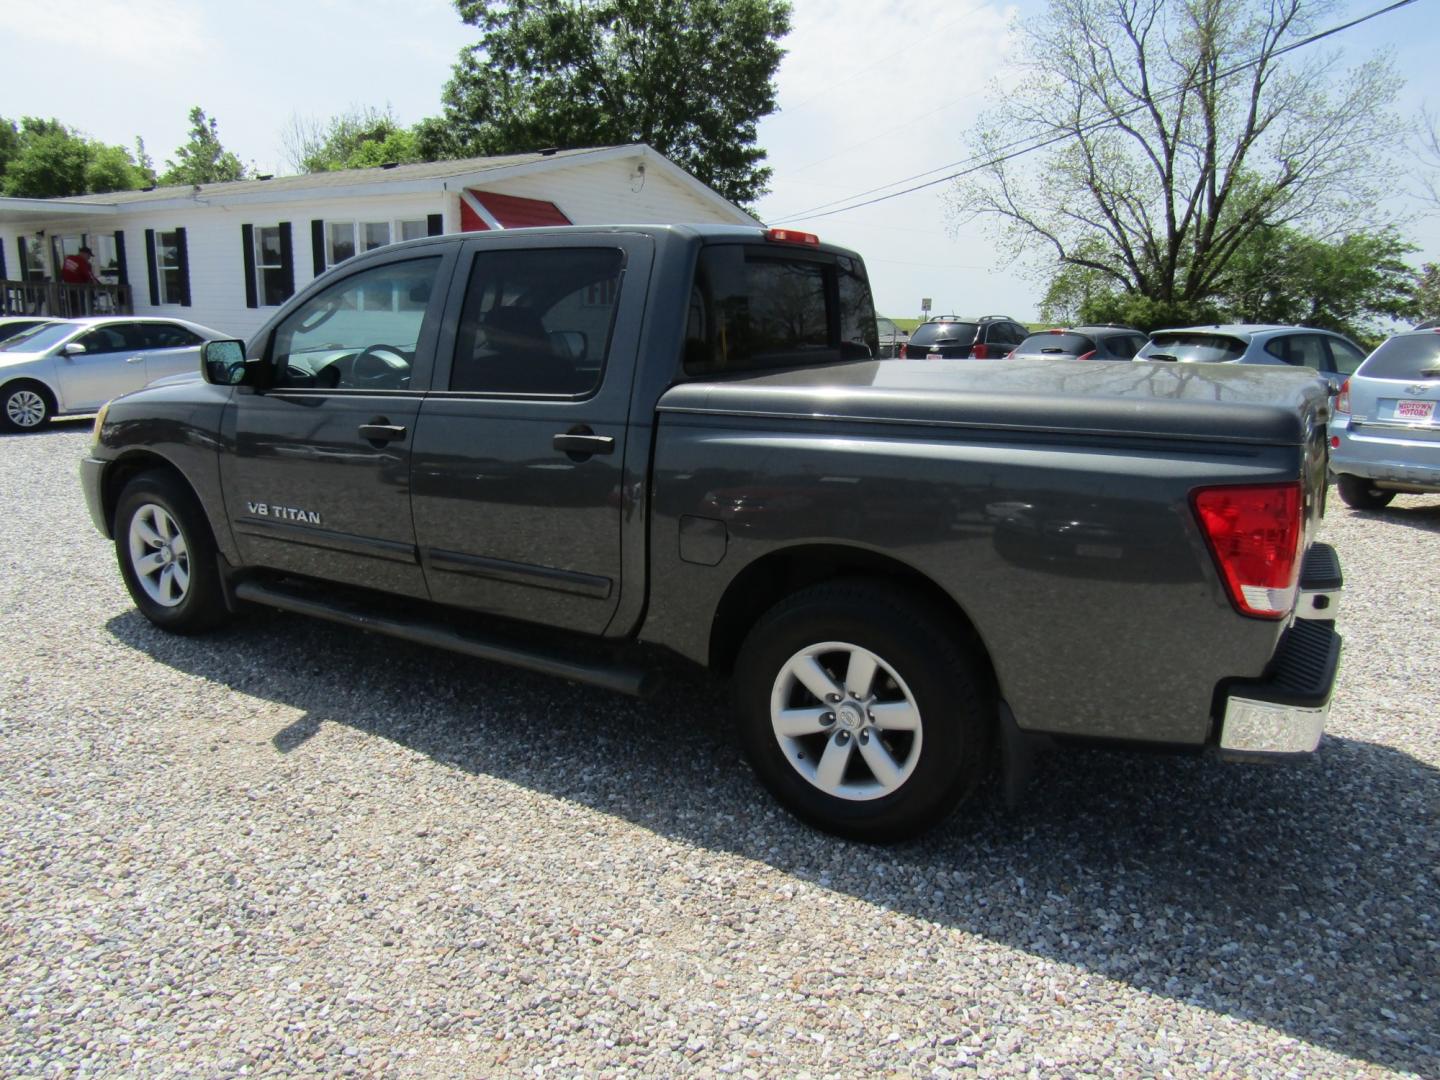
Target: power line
1017 148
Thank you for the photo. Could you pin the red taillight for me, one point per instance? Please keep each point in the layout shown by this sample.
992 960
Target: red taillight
905 351
790 236
1342 399
1334 442
1254 534
979 351
1012 352
1086 356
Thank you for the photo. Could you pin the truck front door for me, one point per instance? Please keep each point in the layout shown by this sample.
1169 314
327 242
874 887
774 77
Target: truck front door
519 481
317 480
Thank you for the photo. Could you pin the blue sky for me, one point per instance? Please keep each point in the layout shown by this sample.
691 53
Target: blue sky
869 93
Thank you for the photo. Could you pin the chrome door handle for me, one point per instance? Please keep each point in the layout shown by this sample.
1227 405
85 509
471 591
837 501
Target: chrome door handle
379 431
135 359
584 443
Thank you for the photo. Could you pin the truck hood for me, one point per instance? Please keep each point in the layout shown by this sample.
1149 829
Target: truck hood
1259 404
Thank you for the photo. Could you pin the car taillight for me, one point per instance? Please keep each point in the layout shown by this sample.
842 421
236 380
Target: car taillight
1254 533
1012 352
1342 399
979 351
1086 356
905 351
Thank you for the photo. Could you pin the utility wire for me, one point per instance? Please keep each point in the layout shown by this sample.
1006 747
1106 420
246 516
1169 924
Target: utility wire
1009 151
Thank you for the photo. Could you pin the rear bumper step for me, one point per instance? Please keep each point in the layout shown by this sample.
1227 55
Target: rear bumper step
1320 584
1283 713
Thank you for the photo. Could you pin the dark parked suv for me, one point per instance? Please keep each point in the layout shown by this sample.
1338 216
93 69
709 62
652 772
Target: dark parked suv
949 337
1084 343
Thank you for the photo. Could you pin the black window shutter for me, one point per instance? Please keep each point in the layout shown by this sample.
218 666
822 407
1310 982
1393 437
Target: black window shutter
151 265
24 258
122 268
287 259
3 275
247 243
182 254
434 224
317 245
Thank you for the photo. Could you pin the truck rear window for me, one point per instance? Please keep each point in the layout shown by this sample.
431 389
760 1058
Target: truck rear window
1414 356
755 308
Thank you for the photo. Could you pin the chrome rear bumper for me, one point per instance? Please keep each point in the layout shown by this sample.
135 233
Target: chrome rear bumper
1283 713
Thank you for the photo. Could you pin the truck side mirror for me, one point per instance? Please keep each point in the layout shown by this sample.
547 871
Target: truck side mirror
222 362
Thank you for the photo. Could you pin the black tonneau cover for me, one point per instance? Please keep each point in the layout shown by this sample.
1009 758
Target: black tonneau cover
1260 404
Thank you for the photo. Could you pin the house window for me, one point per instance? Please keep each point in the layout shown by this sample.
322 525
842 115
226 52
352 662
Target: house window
168 269
272 276
413 230
346 238
32 258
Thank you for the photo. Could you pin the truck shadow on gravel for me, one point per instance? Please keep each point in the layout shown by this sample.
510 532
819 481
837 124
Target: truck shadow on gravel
1305 899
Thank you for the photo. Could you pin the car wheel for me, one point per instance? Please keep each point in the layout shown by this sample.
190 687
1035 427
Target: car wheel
862 711
25 406
167 555
1360 493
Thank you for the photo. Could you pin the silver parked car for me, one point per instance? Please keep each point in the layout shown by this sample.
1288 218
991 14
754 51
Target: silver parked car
1249 343
76 365
1385 436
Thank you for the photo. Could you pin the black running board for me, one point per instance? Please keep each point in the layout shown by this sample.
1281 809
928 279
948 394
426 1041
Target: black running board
634 681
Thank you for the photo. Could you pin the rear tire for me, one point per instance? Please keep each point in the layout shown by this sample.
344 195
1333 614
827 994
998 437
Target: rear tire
25 406
167 555
862 710
1361 494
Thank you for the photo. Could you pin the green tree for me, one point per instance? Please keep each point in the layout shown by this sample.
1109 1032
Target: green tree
1427 292
692 78
1176 132
44 159
1279 275
202 159
361 138
1345 285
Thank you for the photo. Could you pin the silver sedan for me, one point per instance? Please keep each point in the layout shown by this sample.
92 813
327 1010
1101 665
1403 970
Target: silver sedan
77 365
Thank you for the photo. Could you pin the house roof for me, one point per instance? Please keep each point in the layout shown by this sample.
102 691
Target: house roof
380 180
339 178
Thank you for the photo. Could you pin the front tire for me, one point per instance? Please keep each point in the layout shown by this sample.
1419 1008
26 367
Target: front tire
1361 494
25 406
167 555
862 710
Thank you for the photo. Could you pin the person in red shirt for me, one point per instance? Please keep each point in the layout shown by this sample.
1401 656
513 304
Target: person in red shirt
77 268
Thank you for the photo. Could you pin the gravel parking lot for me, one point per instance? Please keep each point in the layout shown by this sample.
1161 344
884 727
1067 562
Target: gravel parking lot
288 848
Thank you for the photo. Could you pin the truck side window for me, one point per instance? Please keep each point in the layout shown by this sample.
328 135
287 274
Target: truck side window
359 334
756 308
537 321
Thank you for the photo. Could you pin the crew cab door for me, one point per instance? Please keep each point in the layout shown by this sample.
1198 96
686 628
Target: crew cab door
518 474
317 473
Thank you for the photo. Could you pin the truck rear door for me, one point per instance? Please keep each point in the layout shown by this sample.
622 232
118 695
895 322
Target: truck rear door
518 474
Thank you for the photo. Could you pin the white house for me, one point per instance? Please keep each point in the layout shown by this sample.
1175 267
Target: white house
226 255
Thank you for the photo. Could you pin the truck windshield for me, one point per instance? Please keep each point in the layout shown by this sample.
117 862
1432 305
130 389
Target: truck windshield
761 307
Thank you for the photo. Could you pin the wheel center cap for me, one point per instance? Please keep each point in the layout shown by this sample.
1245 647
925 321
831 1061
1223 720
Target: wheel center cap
850 715
166 555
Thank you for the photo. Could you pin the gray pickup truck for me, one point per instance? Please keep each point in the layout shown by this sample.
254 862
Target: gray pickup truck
562 448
